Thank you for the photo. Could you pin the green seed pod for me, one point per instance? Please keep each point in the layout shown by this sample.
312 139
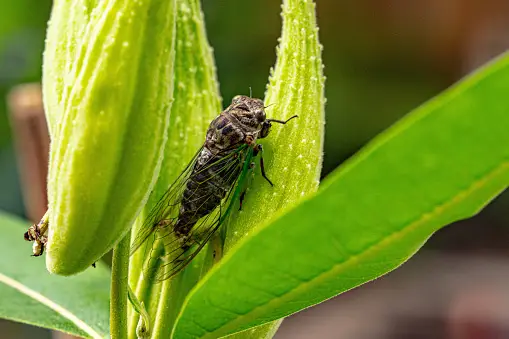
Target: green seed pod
108 84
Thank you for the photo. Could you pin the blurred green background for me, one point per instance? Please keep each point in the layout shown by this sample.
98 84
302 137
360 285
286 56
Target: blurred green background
22 31
382 59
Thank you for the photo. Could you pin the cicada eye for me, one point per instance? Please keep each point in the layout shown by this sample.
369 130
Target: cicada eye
265 129
260 116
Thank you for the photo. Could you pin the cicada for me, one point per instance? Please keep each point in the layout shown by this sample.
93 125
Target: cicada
196 205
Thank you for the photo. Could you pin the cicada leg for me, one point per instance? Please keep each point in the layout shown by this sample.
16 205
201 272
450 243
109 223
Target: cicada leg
241 199
185 244
259 149
244 189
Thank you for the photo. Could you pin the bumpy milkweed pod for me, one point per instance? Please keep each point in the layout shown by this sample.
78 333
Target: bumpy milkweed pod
107 85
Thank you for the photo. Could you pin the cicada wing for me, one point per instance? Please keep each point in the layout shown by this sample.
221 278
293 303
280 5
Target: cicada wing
166 208
179 252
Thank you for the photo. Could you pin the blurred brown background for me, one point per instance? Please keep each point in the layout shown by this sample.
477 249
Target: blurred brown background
382 59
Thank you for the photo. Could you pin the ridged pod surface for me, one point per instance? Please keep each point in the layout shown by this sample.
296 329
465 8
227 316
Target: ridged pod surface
108 88
197 102
293 152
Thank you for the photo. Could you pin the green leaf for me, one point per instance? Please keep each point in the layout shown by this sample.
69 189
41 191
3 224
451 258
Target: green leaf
265 331
440 164
77 305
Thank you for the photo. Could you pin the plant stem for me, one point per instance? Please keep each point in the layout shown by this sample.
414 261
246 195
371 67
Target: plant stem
173 294
118 302
145 289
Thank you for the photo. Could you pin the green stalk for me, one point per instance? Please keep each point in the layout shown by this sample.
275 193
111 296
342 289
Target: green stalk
146 290
119 289
173 293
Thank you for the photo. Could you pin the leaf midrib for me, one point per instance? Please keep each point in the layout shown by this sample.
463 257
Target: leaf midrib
336 269
50 304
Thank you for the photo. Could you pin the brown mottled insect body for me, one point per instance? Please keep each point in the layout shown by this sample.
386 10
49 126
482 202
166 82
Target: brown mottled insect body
196 204
238 124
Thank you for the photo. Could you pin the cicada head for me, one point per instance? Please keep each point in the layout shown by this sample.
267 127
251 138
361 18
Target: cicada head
249 111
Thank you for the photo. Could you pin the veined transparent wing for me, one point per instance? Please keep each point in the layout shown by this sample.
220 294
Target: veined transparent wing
170 253
165 206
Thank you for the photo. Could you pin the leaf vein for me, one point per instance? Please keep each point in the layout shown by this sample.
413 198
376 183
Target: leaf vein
455 199
50 304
